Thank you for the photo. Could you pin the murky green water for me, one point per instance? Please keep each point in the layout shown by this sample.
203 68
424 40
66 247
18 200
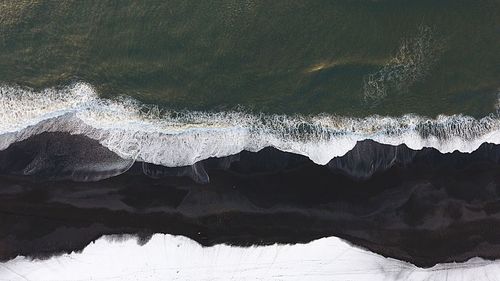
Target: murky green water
343 57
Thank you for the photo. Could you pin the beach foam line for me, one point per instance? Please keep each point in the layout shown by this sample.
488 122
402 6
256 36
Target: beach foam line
180 138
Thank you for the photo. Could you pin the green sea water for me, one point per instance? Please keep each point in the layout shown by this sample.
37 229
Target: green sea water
351 57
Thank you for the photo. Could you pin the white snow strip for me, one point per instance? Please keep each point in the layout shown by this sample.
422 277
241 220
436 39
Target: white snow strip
167 257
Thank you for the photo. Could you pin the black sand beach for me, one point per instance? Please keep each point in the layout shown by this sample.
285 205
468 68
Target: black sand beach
423 206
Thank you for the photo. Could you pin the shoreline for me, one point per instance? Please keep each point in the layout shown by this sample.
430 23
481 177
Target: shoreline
429 208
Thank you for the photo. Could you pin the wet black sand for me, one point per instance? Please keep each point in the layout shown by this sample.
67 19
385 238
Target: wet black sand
419 206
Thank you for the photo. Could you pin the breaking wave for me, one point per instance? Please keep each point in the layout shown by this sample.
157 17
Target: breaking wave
180 138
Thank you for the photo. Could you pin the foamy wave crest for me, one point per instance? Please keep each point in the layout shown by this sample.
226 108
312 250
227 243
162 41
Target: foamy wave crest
169 138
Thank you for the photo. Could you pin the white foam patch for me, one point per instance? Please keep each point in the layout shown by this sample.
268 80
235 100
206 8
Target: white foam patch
412 62
169 138
167 257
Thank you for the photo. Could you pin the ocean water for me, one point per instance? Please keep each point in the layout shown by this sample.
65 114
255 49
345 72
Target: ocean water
175 83
349 58
253 123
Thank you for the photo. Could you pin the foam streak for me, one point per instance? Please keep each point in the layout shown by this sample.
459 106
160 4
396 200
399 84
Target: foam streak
138 132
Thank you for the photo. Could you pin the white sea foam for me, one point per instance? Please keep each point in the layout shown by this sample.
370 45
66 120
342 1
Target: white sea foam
415 57
168 138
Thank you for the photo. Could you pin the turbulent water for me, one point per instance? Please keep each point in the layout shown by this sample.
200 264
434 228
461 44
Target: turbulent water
171 138
252 122
175 83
